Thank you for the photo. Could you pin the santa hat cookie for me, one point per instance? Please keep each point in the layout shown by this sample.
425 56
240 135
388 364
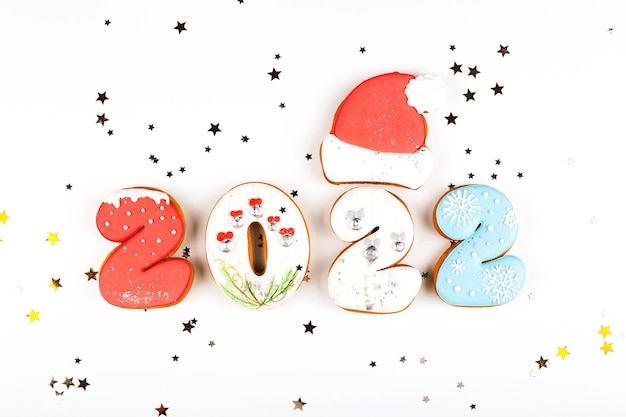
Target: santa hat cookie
379 131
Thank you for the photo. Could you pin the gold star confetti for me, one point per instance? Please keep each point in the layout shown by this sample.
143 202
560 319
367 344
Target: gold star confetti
425 398
91 274
52 382
459 385
543 363
607 347
211 343
53 238
4 217
605 331
298 404
422 360
55 284
33 315
562 352
69 382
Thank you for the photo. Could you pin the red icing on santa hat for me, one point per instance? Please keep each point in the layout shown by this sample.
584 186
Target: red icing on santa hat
376 115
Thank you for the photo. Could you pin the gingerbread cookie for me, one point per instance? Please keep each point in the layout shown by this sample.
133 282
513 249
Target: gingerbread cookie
139 273
379 131
257 245
367 276
482 224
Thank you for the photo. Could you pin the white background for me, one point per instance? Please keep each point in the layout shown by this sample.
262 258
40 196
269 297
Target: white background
558 122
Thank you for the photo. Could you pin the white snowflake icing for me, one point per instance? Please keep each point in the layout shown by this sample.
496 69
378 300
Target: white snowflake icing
460 206
457 266
510 218
501 283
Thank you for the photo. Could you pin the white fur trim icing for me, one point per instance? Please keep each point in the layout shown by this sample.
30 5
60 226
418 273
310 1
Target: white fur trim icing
346 163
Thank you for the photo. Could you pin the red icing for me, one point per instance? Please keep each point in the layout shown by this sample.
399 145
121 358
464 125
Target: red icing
139 273
376 115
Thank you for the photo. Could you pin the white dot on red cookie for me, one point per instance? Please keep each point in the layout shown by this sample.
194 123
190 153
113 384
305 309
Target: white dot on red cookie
173 231
150 221
162 208
162 218
128 213
107 223
125 227
158 240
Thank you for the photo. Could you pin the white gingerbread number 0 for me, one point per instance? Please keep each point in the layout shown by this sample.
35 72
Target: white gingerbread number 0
366 276
257 245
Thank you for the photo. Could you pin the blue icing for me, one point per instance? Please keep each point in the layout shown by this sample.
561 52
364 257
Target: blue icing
483 220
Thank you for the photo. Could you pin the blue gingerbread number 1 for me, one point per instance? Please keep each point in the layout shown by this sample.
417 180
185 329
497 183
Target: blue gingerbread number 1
482 224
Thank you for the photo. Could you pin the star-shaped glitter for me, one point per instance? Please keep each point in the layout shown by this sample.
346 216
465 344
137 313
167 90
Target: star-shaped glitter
4 217
298 404
110 132
188 326
53 238
52 382
169 174
102 97
562 352
281 105
215 128
422 360
498 162
107 22
175 358
33 315
68 382
470 175
245 139
283 210
211 343
151 127
605 331
520 175
607 347
373 364
162 410
497 89
308 157
91 274
473 71
277 56
55 284
362 49
451 118
543 363
425 398
68 186
452 47
102 118
456 68
472 406
459 385
308 328
468 151
294 193
469 95
82 383
182 170
77 360
503 50
180 26
207 149
494 176
274 74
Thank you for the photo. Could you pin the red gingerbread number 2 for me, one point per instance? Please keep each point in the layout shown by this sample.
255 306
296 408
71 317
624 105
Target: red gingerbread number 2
139 273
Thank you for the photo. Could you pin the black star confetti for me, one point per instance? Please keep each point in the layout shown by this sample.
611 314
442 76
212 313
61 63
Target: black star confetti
180 27
68 186
274 74
451 118
473 72
151 127
308 328
503 50
542 363
107 22
102 97
215 128
497 89
362 50
101 119
469 95
373 364
309 157
187 327
456 68
245 139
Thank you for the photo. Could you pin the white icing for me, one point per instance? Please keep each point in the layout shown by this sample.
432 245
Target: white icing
356 282
135 194
280 259
426 93
347 163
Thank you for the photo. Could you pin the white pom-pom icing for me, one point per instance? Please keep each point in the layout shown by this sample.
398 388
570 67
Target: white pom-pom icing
426 93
